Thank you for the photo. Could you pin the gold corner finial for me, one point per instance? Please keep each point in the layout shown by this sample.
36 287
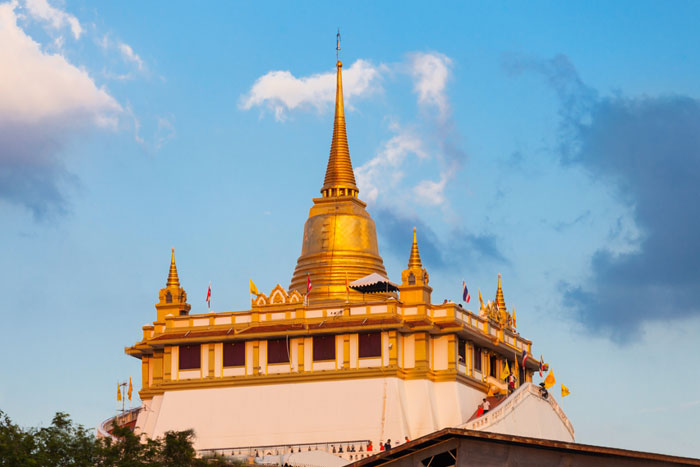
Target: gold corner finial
500 301
414 259
173 279
340 178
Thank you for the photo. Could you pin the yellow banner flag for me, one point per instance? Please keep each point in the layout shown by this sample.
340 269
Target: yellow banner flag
516 368
564 391
119 393
514 323
253 289
549 381
131 389
506 371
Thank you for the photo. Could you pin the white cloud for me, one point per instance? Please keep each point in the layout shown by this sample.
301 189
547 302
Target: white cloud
130 56
280 91
41 9
430 192
36 86
430 72
384 172
44 101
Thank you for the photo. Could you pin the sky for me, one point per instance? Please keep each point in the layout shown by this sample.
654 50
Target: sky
555 143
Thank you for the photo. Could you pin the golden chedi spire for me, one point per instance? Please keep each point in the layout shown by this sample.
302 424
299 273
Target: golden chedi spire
172 300
414 287
414 258
340 178
173 280
340 238
499 297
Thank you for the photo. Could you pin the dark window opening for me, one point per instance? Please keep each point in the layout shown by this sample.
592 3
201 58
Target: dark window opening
324 348
369 344
444 459
477 358
190 357
168 298
234 354
461 350
277 351
411 279
493 366
183 312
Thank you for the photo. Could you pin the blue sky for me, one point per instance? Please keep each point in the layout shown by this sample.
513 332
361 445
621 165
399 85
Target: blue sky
555 143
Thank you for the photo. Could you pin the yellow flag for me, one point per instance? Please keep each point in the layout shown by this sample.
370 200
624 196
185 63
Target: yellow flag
564 391
514 325
253 289
516 368
119 393
506 371
131 388
550 381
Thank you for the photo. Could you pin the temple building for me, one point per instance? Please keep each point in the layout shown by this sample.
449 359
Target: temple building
355 361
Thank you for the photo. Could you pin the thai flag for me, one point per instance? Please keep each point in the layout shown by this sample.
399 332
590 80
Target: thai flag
541 365
524 357
465 293
308 283
209 296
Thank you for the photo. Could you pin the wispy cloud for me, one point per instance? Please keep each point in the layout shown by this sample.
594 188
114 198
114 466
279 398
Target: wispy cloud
430 73
44 101
130 56
385 171
648 149
56 18
281 91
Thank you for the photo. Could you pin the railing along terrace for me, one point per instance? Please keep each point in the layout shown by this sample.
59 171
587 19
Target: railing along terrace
350 450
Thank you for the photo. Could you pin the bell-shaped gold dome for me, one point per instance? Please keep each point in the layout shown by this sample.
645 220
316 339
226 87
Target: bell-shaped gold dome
340 239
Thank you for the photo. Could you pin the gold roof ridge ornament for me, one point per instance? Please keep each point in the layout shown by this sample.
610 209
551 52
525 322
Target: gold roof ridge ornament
340 238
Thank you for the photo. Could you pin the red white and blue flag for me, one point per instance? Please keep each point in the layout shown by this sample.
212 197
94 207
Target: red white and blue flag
308 283
209 296
524 357
541 365
465 293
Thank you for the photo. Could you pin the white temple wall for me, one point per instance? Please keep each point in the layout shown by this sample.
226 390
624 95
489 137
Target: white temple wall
321 411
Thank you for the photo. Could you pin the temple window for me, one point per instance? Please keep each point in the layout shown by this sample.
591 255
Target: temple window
277 351
369 344
461 350
168 298
477 358
190 357
493 366
324 348
411 279
234 353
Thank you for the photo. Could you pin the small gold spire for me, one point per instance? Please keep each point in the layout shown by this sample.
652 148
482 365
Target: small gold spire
499 297
173 280
414 260
340 178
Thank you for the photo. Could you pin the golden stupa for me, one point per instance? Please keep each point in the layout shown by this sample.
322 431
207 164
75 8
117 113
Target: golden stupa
340 239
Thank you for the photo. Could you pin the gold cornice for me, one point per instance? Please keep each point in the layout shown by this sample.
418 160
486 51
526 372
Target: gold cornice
309 377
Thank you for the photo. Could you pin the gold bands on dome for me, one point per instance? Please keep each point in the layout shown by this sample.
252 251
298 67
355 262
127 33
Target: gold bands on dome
414 260
340 178
173 280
